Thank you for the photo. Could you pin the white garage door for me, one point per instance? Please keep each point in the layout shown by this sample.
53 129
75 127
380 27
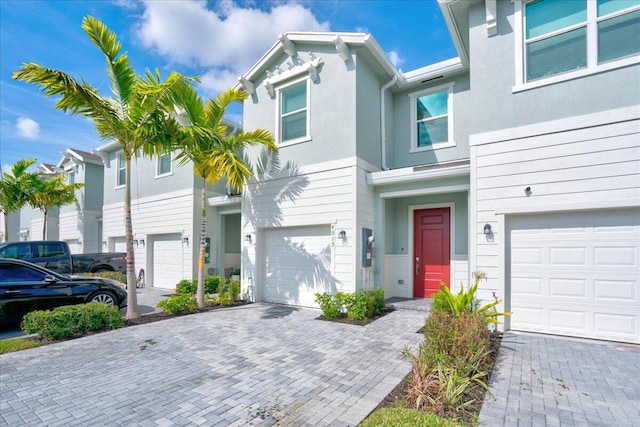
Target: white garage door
297 264
167 260
577 274
119 244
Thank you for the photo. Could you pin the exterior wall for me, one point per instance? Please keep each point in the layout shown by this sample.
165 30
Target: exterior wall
367 118
143 179
577 164
495 105
13 225
94 185
322 194
168 213
399 143
333 130
364 212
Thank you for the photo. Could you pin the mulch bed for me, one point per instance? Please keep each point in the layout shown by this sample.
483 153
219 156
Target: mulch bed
399 393
344 319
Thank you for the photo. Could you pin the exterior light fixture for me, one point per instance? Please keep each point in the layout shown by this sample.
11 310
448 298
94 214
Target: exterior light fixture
247 238
79 242
342 234
527 191
135 243
142 242
104 243
487 229
185 241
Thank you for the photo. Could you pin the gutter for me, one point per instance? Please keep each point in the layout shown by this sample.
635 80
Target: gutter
383 127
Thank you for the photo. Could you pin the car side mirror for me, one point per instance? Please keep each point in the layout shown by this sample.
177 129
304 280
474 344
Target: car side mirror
48 279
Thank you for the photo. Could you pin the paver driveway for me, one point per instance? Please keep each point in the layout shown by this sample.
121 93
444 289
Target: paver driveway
253 365
541 380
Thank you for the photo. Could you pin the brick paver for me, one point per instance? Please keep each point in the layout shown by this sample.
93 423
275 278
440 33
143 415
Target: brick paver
551 381
257 365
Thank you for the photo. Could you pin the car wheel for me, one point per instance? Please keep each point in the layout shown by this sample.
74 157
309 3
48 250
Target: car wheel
103 297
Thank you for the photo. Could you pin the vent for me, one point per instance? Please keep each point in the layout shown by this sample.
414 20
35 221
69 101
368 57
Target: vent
431 79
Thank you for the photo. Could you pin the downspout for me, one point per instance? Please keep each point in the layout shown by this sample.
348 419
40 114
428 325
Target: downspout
383 126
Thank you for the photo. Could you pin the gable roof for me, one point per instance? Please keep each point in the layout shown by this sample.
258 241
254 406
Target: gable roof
78 156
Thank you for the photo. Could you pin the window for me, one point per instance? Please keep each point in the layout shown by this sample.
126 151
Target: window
294 113
431 119
121 171
47 250
19 273
164 164
71 177
575 37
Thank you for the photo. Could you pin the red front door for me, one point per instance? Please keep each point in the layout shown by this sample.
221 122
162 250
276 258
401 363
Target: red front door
431 251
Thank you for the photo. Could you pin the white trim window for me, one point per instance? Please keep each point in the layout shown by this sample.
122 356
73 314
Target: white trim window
164 166
121 171
432 118
71 177
561 40
293 113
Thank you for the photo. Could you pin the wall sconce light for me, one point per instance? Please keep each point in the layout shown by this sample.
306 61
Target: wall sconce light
487 229
342 234
142 242
185 241
135 243
527 191
79 242
104 243
247 238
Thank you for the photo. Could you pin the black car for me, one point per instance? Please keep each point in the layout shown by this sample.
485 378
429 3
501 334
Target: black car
25 287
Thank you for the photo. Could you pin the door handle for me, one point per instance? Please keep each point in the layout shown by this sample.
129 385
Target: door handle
417 265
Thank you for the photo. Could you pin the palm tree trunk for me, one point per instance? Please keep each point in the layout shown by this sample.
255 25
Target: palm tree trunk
203 236
44 225
132 298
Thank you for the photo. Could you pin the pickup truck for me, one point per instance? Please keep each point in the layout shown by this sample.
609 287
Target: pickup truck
56 256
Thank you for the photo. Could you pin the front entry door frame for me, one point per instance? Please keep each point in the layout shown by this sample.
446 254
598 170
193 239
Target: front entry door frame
452 228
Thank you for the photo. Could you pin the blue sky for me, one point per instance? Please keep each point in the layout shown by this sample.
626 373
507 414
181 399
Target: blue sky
217 40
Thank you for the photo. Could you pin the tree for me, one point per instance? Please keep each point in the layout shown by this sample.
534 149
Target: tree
15 189
50 192
134 116
204 139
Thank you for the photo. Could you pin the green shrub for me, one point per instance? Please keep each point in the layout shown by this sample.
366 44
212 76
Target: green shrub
64 322
466 302
331 305
234 290
179 304
223 298
190 287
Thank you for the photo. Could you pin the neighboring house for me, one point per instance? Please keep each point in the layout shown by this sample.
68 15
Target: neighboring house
520 159
80 224
32 220
13 225
165 209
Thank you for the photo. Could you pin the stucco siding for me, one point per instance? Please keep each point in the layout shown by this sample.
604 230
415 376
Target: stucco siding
495 105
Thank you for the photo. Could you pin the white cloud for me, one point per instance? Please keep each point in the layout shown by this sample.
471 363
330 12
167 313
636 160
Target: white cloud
228 40
395 58
27 128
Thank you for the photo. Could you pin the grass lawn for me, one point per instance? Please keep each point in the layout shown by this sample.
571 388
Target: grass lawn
406 417
17 344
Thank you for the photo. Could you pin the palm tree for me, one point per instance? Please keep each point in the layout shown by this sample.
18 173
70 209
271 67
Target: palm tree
15 189
204 139
134 116
50 192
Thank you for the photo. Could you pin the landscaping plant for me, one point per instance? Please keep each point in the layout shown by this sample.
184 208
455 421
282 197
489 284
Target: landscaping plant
66 321
361 305
179 304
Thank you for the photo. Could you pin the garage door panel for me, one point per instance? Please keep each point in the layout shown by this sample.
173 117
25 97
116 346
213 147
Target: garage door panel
577 280
167 260
297 264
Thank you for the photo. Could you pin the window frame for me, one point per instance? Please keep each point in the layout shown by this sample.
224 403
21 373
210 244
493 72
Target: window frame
413 97
119 155
279 90
71 177
592 67
159 164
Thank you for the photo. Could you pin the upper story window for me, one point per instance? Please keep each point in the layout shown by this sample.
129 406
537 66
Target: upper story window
164 164
71 177
432 118
121 171
560 40
293 116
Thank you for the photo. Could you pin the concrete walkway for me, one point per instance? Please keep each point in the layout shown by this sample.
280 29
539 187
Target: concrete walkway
542 380
257 365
